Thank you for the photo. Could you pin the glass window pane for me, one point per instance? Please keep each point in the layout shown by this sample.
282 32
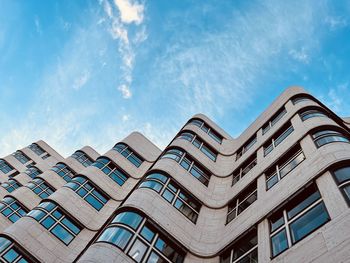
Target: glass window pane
70 225
151 184
155 258
117 236
271 181
48 222
11 255
304 204
128 218
342 175
168 195
279 243
346 190
159 177
62 234
94 202
147 233
138 250
308 222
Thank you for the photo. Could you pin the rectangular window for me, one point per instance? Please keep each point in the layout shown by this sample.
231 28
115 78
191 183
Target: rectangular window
39 151
11 209
188 164
278 137
5 167
63 171
21 157
88 192
246 147
302 215
243 200
110 169
275 118
40 188
244 250
204 127
126 151
10 253
199 143
287 163
244 168
82 158
50 216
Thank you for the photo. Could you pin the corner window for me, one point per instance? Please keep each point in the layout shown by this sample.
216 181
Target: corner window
86 190
50 216
9 252
5 167
12 209
199 143
204 127
328 136
82 158
173 193
298 218
11 185
342 177
140 239
244 168
278 137
311 114
188 164
243 250
246 147
110 169
40 188
63 171
275 118
128 153
242 201
285 165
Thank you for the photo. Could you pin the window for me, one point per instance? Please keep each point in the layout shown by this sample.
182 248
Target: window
140 239
188 164
40 188
286 164
244 168
5 167
64 171
82 158
9 252
299 99
86 190
328 136
244 250
38 150
246 147
301 216
311 114
128 153
278 138
21 157
242 202
204 127
342 177
198 142
275 118
174 194
32 172
50 216
11 185
110 169
11 209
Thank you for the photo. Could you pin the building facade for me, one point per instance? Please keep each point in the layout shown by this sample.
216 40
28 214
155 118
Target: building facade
280 192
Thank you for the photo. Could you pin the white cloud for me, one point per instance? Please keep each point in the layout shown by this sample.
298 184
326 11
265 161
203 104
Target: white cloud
130 11
125 117
126 92
37 25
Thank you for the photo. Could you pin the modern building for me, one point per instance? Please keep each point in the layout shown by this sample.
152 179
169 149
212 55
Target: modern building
280 192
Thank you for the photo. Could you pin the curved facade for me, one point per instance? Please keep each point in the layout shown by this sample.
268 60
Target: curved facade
280 192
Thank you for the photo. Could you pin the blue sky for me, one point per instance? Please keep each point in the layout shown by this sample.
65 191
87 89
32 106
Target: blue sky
89 72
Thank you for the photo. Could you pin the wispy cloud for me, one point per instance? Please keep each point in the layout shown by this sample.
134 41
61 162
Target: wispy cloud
336 22
129 12
37 25
300 55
